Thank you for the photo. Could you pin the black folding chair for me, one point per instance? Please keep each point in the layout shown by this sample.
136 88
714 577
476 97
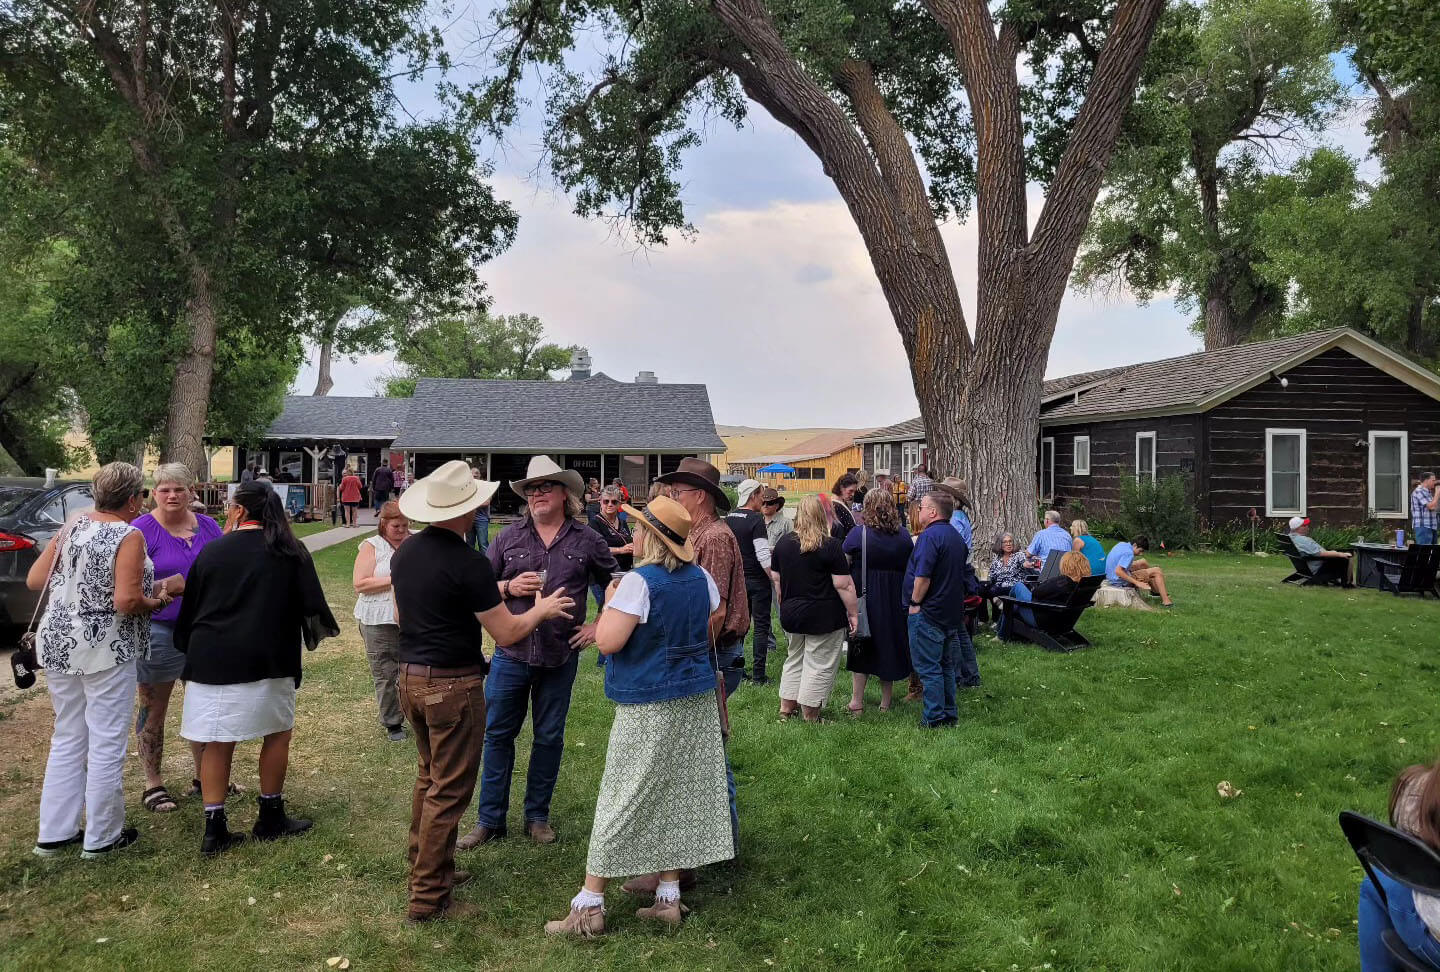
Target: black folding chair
1054 627
1401 857
1051 569
1412 573
1330 571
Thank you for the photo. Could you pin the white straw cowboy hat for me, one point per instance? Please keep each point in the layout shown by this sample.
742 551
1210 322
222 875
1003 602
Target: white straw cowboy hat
669 521
448 492
543 469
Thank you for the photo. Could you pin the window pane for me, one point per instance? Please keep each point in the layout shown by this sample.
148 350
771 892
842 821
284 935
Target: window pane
1285 490
1285 454
1389 494
1387 456
1145 462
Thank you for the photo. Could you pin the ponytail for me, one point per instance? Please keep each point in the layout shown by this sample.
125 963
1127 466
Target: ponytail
262 504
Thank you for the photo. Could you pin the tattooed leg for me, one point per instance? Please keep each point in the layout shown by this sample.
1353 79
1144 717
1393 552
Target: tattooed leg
150 728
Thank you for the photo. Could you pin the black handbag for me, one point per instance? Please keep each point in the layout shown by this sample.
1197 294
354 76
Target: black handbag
23 661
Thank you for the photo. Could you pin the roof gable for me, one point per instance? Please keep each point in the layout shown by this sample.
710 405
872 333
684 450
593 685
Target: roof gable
330 418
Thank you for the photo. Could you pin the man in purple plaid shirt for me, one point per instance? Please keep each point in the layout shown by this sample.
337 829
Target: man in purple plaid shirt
1422 508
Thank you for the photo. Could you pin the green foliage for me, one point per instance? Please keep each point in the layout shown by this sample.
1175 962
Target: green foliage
474 345
1235 536
1163 510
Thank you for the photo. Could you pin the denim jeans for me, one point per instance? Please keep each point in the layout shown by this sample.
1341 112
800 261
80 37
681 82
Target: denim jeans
1376 919
935 655
732 663
479 535
1020 593
760 592
1424 535
513 688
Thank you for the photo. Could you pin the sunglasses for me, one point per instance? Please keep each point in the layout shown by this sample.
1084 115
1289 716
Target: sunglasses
540 489
143 493
609 502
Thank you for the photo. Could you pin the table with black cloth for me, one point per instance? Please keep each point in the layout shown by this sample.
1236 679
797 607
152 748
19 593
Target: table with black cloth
1366 555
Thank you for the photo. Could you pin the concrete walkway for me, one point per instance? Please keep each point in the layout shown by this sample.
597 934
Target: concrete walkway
329 538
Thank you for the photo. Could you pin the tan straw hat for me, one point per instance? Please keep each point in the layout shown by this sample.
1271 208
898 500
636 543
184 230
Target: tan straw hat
543 469
448 492
669 521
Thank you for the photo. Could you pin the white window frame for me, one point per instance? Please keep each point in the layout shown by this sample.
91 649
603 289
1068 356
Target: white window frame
1404 512
1270 509
1075 447
1050 440
1154 455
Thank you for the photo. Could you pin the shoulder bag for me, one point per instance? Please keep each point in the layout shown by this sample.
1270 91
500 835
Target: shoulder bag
862 644
23 661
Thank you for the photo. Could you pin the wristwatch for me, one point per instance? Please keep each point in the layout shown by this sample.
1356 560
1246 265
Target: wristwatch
505 588
914 603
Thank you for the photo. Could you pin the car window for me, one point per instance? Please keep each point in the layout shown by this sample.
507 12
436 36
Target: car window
13 497
78 501
53 511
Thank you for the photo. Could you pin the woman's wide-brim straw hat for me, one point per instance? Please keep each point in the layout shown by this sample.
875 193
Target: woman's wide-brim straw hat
669 521
448 492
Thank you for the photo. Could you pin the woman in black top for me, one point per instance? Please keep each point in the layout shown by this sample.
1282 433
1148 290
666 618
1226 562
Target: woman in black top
844 495
250 600
617 536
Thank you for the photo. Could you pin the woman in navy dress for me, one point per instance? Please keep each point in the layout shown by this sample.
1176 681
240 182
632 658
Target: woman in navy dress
887 552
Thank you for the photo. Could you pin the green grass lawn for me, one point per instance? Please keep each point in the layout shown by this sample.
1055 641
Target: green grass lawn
1070 822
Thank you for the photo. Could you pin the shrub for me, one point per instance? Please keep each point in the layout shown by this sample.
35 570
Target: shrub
1163 510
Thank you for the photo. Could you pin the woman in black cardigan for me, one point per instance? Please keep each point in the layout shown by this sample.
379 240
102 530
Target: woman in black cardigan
250 600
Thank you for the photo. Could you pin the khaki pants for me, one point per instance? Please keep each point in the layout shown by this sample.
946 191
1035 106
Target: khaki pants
809 672
382 643
448 717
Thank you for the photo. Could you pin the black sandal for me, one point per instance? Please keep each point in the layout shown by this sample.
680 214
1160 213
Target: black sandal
157 799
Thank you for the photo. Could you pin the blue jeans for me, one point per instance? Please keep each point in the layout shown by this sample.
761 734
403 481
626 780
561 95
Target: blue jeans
513 688
1020 593
1376 918
479 535
1424 535
935 656
732 663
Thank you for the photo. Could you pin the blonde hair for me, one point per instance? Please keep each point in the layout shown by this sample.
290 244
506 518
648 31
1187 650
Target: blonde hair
1075 566
652 550
391 511
1078 528
811 527
175 472
114 484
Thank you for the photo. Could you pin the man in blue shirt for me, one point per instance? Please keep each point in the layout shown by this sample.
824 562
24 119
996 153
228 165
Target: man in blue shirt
935 588
1423 503
1125 567
1053 537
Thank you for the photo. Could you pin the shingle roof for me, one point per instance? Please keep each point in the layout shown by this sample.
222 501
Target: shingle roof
1059 386
338 417
592 415
1186 381
908 429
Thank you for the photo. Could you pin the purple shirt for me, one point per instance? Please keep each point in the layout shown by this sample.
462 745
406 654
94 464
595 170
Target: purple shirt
173 555
577 558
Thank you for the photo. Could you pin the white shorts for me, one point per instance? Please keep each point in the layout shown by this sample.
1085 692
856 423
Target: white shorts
235 713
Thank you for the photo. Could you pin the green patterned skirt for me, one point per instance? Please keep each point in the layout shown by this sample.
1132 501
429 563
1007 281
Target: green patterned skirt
663 804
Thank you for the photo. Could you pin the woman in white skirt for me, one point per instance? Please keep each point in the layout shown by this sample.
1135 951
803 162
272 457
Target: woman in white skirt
250 600
375 611
663 806
96 623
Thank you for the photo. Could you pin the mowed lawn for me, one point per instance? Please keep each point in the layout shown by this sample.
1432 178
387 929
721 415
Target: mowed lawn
1070 822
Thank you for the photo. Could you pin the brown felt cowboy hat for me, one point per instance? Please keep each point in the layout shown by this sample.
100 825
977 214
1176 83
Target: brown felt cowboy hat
669 521
956 488
770 496
699 473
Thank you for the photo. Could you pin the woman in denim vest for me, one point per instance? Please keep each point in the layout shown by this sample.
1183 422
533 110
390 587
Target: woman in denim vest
663 805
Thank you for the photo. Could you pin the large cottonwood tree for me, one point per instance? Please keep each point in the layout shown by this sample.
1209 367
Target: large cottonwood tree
914 110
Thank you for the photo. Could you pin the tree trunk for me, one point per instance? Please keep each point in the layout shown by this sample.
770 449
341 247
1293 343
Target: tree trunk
323 381
1222 327
190 388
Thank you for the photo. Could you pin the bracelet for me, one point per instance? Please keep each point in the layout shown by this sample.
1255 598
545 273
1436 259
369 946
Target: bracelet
505 588
915 603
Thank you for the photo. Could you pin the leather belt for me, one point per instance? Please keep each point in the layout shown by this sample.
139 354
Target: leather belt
430 671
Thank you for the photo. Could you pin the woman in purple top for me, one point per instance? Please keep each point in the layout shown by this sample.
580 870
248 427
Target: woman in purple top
173 538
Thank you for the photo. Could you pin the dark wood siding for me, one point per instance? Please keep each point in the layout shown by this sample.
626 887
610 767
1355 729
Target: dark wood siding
1338 400
1112 455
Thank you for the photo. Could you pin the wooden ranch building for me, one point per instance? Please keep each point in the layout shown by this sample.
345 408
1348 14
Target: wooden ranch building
817 461
1331 425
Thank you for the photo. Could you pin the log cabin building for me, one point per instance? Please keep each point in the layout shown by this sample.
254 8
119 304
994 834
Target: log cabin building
1331 425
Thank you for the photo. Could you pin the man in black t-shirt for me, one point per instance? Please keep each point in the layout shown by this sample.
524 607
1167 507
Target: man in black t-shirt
748 524
445 595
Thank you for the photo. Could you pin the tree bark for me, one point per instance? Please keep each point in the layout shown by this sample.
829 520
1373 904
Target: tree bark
190 388
323 381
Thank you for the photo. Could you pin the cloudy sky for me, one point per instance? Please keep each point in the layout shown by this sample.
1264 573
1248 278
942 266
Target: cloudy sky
773 305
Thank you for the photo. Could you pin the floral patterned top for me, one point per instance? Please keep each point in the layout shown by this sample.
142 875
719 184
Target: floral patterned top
1007 571
80 632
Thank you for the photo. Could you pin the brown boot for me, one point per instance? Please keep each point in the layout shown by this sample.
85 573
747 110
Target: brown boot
647 883
540 832
480 835
453 909
580 922
670 912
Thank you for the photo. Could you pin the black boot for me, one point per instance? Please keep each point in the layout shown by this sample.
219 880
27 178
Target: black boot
273 822
218 837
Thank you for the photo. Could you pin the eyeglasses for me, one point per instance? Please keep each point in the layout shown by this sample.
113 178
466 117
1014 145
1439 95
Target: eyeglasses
685 489
540 489
143 493
610 502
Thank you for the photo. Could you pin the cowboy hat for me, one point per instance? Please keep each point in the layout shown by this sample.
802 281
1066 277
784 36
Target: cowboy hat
542 469
769 496
956 488
699 473
669 521
448 492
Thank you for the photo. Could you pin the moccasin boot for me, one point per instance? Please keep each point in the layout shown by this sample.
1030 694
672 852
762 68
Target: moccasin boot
648 883
670 912
580 922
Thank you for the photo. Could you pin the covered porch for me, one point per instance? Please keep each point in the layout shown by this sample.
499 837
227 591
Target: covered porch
635 470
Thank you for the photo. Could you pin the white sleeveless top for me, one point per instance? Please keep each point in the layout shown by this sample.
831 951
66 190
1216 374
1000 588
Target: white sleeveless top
377 608
80 632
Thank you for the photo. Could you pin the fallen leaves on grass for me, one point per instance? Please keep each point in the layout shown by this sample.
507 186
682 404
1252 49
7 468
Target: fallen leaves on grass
1228 790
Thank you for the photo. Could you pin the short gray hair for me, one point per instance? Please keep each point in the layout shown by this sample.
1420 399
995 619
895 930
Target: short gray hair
175 472
1052 516
611 492
114 484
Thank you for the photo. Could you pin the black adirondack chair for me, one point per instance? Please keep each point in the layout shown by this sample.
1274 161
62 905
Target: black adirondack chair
1054 627
1401 857
1331 570
1051 568
1411 573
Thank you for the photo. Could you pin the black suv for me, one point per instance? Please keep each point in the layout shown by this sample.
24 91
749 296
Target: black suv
31 512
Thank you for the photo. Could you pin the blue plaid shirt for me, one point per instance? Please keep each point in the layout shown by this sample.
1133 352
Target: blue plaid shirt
1420 517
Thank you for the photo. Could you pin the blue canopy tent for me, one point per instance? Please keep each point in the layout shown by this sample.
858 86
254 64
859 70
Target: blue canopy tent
777 469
